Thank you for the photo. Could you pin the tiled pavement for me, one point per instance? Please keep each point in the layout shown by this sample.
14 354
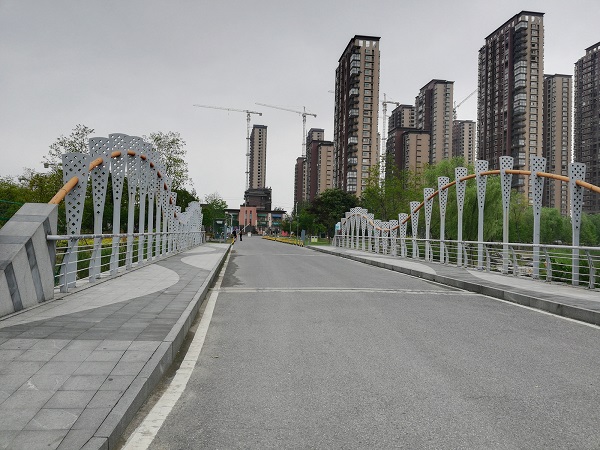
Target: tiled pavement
74 371
576 303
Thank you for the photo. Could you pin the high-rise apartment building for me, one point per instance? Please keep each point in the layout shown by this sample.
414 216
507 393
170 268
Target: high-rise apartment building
510 100
433 113
258 156
402 119
586 142
325 167
463 140
356 113
314 136
557 138
299 180
415 149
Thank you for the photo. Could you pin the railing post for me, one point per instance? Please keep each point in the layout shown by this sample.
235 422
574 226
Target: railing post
537 164
480 166
385 235
117 170
370 218
74 165
393 224
443 198
363 227
143 180
377 232
158 225
152 186
428 203
347 228
352 226
506 163
402 221
99 147
133 173
414 219
576 172
460 172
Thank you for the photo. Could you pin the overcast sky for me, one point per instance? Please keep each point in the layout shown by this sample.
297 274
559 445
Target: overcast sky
136 67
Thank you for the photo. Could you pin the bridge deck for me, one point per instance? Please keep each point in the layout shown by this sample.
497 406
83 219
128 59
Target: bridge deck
74 371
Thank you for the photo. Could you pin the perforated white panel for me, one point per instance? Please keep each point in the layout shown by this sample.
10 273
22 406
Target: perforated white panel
506 162
75 165
443 194
393 224
403 226
481 166
99 147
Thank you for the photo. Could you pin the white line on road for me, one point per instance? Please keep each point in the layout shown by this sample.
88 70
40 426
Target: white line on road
145 433
339 289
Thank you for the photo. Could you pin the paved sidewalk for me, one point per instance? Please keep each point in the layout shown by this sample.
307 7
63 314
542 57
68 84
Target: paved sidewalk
576 303
74 371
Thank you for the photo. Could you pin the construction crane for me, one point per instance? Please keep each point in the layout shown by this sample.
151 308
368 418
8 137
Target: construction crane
303 113
454 116
248 112
384 135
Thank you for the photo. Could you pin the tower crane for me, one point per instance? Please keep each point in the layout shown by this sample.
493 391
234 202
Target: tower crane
248 112
303 113
454 116
384 135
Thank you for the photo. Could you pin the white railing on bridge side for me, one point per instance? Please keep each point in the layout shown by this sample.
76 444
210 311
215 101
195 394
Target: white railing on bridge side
161 227
573 264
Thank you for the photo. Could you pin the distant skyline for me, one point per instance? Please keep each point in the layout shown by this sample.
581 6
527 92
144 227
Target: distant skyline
139 66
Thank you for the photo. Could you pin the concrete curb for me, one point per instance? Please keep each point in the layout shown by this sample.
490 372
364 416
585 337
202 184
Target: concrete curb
113 427
558 305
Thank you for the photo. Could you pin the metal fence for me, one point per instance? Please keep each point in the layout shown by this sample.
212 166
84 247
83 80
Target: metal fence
156 227
572 264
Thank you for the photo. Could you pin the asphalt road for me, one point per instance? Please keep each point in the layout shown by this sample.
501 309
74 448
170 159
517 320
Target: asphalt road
310 351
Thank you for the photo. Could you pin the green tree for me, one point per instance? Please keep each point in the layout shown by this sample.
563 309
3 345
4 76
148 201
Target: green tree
171 147
329 207
213 208
387 197
76 142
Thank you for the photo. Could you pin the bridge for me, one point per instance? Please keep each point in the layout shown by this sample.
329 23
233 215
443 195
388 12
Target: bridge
159 339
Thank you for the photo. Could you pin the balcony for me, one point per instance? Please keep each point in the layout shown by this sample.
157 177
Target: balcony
352 161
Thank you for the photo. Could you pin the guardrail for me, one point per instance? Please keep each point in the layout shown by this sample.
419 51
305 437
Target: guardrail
359 229
127 160
33 265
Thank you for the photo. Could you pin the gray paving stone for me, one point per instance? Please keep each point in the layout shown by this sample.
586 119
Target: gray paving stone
95 368
91 418
15 419
59 367
105 355
54 419
144 346
6 438
75 439
96 443
10 354
105 399
38 440
70 399
128 368
12 344
72 355
26 400
32 354
136 356
83 383
44 382
83 345
117 382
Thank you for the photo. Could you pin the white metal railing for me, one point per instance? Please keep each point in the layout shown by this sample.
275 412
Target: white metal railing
552 263
94 256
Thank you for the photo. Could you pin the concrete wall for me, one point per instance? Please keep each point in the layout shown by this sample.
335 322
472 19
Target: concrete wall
27 259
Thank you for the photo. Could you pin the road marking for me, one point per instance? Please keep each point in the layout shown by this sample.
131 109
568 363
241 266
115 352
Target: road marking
145 433
230 290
